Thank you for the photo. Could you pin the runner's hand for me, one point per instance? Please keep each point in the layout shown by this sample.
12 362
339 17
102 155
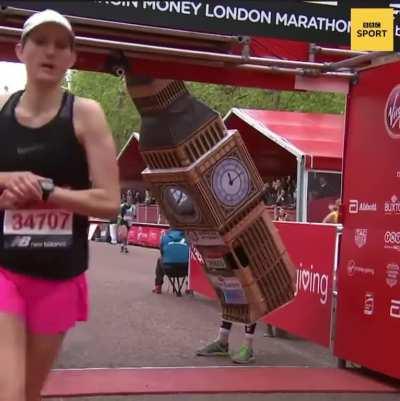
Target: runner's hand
8 200
24 185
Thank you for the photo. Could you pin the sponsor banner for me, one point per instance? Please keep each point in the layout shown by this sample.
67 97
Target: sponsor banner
369 301
294 20
368 323
391 240
309 314
149 236
354 269
360 237
392 273
392 113
392 206
356 206
395 308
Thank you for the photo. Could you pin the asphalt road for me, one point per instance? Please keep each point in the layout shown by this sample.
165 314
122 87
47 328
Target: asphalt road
130 326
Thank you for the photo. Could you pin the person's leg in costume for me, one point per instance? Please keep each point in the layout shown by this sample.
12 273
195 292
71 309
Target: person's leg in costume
220 346
246 352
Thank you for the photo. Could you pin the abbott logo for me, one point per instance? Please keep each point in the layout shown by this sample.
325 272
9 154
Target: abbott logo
395 308
356 206
353 206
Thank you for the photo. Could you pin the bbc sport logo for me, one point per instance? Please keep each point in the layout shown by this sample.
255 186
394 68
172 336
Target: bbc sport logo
372 29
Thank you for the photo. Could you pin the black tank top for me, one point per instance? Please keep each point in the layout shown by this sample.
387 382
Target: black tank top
51 151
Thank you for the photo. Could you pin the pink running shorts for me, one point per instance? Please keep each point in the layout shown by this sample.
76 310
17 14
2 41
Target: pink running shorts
46 306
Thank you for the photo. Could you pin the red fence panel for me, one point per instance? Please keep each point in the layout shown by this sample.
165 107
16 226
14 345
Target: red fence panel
312 248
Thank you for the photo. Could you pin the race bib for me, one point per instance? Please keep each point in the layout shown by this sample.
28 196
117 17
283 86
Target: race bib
233 291
231 288
37 228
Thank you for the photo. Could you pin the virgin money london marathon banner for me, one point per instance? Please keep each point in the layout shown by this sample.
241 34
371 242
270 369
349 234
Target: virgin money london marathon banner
296 20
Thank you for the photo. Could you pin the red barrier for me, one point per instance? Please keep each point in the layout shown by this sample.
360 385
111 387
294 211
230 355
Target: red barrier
312 248
146 235
198 281
368 316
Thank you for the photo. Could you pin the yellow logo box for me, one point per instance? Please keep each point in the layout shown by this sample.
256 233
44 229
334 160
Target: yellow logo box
372 29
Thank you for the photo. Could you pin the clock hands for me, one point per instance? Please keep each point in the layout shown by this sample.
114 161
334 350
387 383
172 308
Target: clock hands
232 180
237 177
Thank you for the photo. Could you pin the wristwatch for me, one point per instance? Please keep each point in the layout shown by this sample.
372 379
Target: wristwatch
47 187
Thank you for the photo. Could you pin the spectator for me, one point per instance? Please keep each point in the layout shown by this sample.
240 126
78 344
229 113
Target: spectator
281 214
147 197
323 189
333 216
280 196
268 194
137 198
174 258
290 188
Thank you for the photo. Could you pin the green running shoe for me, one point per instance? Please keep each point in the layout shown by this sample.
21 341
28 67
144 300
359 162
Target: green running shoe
244 355
216 348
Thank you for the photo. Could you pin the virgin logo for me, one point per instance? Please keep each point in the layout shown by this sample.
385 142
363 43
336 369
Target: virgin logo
392 113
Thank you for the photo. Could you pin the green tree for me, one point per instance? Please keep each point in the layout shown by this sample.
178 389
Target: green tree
124 118
223 98
110 92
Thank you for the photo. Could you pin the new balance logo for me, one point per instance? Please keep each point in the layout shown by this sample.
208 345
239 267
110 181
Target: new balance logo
21 241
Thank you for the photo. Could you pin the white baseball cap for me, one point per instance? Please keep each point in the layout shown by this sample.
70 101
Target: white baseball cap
44 17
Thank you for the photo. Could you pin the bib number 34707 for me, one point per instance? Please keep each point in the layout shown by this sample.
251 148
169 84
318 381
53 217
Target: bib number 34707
33 222
37 228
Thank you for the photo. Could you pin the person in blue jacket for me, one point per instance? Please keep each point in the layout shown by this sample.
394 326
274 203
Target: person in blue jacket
174 258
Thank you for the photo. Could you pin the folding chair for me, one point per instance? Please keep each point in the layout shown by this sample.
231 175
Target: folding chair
177 276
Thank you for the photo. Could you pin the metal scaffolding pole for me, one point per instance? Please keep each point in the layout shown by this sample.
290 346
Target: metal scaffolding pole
315 49
354 61
200 57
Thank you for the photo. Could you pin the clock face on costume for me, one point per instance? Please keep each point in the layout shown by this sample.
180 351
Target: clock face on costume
180 203
230 181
